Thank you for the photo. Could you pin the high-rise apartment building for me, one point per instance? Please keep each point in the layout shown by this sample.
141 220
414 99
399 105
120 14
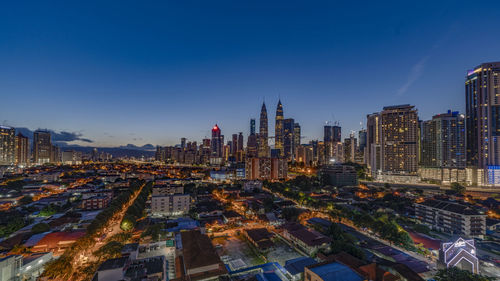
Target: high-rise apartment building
482 104
332 135
22 149
279 130
443 141
7 145
42 147
399 139
373 140
263 133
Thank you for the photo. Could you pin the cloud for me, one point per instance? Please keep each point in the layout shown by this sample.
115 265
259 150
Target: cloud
415 73
61 138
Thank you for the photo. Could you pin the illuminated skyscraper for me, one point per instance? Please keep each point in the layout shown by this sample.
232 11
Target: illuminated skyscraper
482 103
22 149
252 142
217 142
7 145
373 139
263 133
288 139
443 141
399 141
42 147
278 129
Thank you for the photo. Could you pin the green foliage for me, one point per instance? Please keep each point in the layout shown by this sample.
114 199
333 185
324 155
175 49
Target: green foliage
343 242
40 227
14 224
290 214
61 268
25 200
458 188
455 274
155 231
136 210
110 250
49 210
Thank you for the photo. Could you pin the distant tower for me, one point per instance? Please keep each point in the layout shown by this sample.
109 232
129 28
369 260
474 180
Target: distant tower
22 150
252 126
7 145
217 142
263 135
278 128
42 147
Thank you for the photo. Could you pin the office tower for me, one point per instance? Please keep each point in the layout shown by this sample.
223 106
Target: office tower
296 135
373 139
263 133
240 141
362 140
95 155
42 147
55 154
234 144
482 103
252 141
399 132
183 142
278 129
304 154
336 133
443 141
332 135
22 149
7 145
217 142
288 140
350 145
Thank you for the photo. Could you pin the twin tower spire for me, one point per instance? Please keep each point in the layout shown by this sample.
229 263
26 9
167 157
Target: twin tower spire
264 150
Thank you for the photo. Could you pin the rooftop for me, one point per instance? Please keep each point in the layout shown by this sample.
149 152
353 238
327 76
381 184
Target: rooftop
198 250
335 271
113 264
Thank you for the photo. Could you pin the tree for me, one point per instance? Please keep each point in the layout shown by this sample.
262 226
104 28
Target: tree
456 274
458 188
40 227
110 250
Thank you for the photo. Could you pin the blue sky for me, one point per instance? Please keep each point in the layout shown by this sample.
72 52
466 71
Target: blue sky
155 71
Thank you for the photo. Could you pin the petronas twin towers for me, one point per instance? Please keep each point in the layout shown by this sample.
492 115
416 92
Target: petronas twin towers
264 150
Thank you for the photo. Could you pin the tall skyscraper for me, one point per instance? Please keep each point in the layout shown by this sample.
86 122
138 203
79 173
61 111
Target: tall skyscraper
234 144
373 140
263 133
482 103
217 142
42 147
7 145
296 136
443 141
288 139
278 129
183 142
332 135
399 133
252 141
22 149
350 145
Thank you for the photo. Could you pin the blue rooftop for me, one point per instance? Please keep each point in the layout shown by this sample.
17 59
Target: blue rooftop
336 271
296 266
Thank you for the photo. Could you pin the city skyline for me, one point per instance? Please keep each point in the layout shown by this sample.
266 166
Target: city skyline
167 84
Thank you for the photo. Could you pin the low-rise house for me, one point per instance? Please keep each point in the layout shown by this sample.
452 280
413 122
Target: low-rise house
231 217
259 237
331 271
200 259
310 241
153 268
57 242
112 269
33 265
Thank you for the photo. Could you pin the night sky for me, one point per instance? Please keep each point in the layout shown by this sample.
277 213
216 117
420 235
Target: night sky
155 71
